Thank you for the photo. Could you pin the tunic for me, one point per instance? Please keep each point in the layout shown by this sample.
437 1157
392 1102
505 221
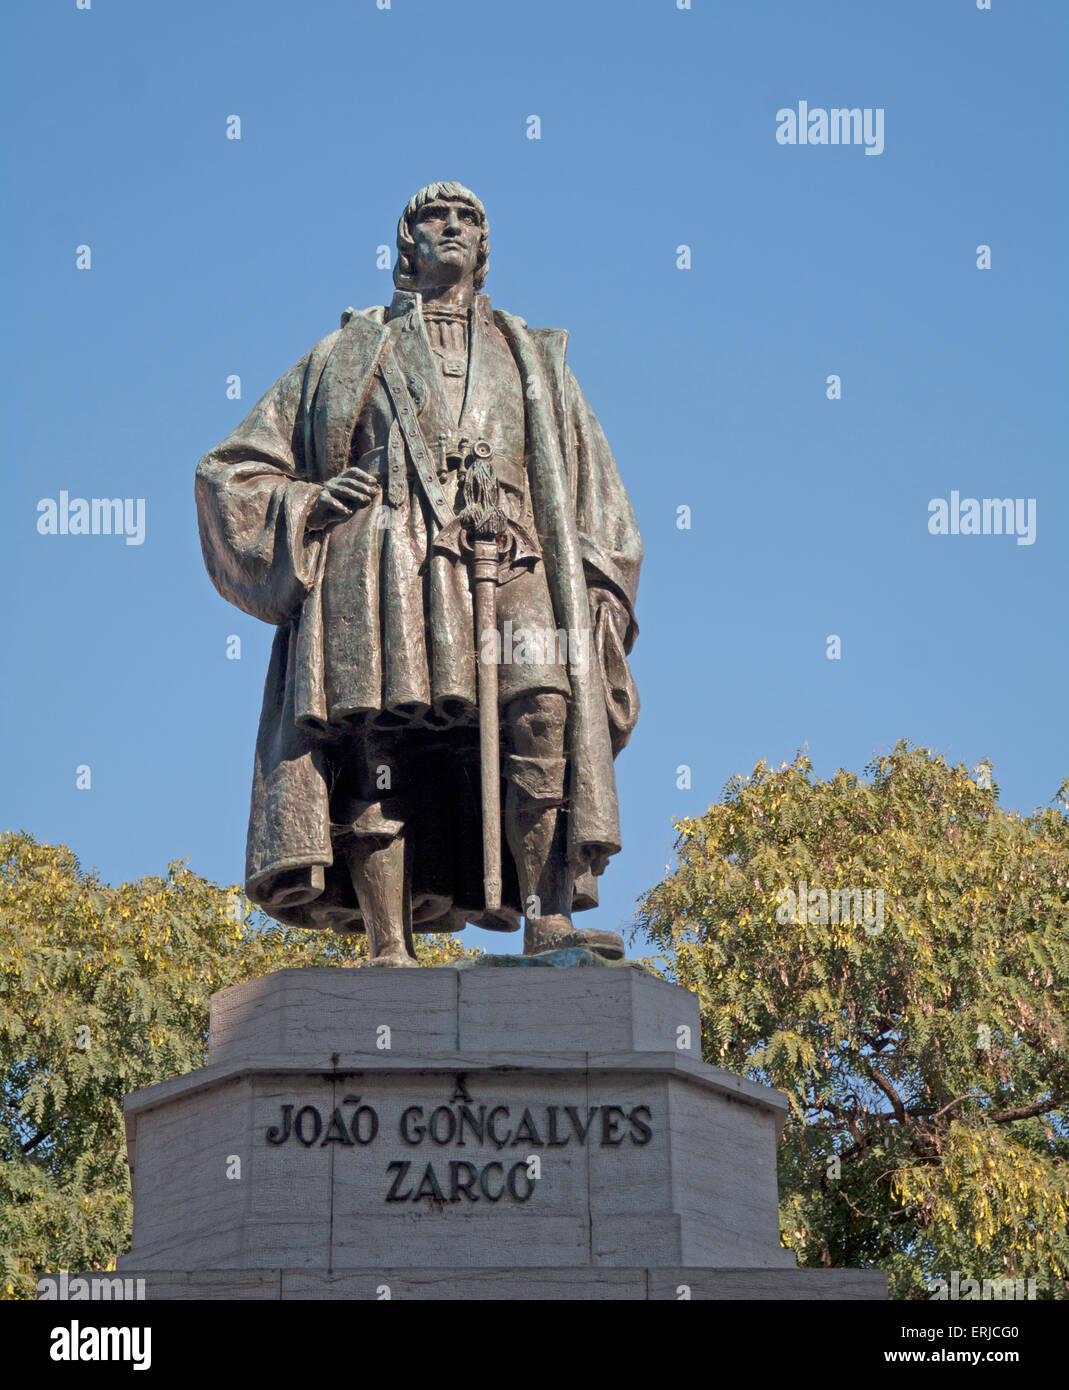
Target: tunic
397 617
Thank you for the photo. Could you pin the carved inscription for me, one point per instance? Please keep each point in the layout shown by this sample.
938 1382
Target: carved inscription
462 1124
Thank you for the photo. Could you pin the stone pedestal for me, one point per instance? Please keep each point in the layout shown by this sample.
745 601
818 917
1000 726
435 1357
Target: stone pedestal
461 1133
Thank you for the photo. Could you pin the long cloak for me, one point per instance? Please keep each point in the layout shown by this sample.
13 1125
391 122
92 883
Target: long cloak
254 493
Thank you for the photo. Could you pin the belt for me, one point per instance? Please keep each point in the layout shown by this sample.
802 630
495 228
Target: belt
510 472
404 410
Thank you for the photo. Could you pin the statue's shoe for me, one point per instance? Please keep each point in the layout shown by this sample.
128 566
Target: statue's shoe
558 934
401 958
609 944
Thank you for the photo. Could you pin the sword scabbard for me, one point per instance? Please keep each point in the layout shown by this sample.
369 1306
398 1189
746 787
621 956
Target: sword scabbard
484 571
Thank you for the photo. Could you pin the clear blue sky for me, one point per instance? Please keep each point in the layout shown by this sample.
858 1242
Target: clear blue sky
212 256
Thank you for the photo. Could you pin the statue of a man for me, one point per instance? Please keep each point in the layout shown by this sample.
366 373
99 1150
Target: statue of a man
336 511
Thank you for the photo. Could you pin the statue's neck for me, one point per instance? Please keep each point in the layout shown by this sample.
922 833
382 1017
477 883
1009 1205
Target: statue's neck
456 296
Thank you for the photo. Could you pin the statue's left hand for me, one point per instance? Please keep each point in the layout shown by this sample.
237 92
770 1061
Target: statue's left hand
340 497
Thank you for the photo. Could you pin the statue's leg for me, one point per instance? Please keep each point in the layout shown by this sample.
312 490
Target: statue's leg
378 869
536 829
534 817
374 841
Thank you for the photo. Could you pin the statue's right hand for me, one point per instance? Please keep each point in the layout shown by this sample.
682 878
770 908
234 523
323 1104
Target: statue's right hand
341 496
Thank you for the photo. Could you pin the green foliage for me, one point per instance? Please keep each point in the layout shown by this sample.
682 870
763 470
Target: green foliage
925 1050
104 990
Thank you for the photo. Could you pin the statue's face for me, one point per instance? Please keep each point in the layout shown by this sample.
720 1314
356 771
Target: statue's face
446 236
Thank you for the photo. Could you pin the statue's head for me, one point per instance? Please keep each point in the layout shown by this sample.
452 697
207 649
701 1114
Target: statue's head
442 237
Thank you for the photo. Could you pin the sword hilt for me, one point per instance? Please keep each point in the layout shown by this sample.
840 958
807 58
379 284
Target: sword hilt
482 514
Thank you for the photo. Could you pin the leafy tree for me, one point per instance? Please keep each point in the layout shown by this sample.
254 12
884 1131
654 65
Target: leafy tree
104 990
922 1036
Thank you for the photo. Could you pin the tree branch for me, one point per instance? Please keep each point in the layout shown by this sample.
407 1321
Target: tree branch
32 1143
972 1095
1025 1112
890 1092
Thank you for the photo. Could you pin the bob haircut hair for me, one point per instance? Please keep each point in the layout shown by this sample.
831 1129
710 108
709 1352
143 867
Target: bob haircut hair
404 268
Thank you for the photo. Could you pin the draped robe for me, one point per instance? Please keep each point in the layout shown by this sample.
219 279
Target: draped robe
254 493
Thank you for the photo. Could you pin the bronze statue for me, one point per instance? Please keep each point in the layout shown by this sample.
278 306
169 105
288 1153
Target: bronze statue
427 509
